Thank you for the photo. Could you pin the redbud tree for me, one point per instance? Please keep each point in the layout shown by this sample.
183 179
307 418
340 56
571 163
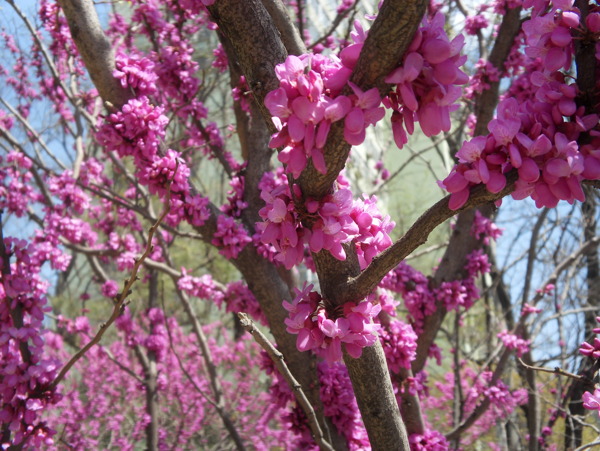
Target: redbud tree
189 261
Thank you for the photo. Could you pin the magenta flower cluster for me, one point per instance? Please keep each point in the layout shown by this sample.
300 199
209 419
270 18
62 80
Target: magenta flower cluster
514 342
306 104
324 335
485 229
26 371
399 343
136 72
592 350
427 82
230 237
591 401
536 132
339 404
236 296
335 220
429 440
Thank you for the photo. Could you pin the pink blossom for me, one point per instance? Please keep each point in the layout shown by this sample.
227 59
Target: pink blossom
230 237
110 288
592 401
514 342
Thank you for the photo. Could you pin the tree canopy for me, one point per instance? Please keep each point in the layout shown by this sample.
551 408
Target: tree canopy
188 261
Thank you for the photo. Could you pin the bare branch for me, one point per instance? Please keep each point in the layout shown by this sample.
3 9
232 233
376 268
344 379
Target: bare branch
278 360
119 301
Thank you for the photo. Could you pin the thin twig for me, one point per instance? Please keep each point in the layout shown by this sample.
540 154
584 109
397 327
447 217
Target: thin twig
557 370
277 358
213 377
588 446
119 300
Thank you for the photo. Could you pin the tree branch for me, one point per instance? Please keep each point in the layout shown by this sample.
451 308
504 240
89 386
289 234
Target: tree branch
279 361
95 49
119 301
363 284
396 23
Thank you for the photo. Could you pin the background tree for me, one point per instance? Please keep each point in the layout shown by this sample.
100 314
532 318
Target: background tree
113 190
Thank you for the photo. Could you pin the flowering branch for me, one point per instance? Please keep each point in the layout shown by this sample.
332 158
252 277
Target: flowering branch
361 285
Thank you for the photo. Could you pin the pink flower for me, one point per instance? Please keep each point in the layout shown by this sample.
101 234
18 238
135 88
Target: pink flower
592 401
110 289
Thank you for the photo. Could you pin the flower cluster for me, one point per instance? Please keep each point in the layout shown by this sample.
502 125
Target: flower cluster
135 72
591 401
429 440
548 35
592 350
136 130
339 404
335 220
512 341
473 24
239 298
16 192
306 104
427 82
485 229
203 287
414 288
26 371
485 72
399 343
324 335
230 237
538 125
110 289
235 197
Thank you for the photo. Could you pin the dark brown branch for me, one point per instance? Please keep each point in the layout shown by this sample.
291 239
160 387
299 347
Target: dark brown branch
360 286
292 40
256 42
376 401
485 103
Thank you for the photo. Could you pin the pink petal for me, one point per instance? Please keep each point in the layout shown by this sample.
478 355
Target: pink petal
529 170
355 120
496 183
458 199
296 128
318 161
